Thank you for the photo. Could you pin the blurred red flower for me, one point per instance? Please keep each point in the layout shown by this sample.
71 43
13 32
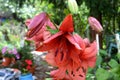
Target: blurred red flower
28 67
29 62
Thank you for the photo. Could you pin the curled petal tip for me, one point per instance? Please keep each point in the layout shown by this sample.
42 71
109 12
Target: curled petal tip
67 24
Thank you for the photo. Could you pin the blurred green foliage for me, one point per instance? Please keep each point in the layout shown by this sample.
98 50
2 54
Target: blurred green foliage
57 9
107 68
11 33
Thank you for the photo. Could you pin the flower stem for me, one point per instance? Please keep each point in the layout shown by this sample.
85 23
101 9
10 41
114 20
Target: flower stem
97 40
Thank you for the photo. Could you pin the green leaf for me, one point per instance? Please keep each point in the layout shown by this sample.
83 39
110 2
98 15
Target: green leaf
118 55
48 79
103 52
113 63
102 74
99 60
52 31
90 76
47 73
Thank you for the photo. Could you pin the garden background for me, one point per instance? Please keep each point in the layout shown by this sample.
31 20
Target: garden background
14 13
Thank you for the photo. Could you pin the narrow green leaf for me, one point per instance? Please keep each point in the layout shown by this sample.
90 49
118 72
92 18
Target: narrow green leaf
52 31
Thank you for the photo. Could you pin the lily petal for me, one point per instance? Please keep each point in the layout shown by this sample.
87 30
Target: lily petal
53 37
73 41
67 24
76 72
50 58
50 43
92 61
87 42
90 51
37 20
59 73
80 41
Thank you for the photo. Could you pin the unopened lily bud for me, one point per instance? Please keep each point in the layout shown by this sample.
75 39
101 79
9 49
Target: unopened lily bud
38 21
95 24
73 7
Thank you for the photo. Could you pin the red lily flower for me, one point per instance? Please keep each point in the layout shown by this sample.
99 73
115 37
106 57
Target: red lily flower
64 32
37 28
67 51
75 71
62 43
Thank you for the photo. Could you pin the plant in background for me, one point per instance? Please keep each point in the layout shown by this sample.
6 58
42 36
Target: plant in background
11 33
27 65
26 62
9 56
25 51
6 52
109 66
